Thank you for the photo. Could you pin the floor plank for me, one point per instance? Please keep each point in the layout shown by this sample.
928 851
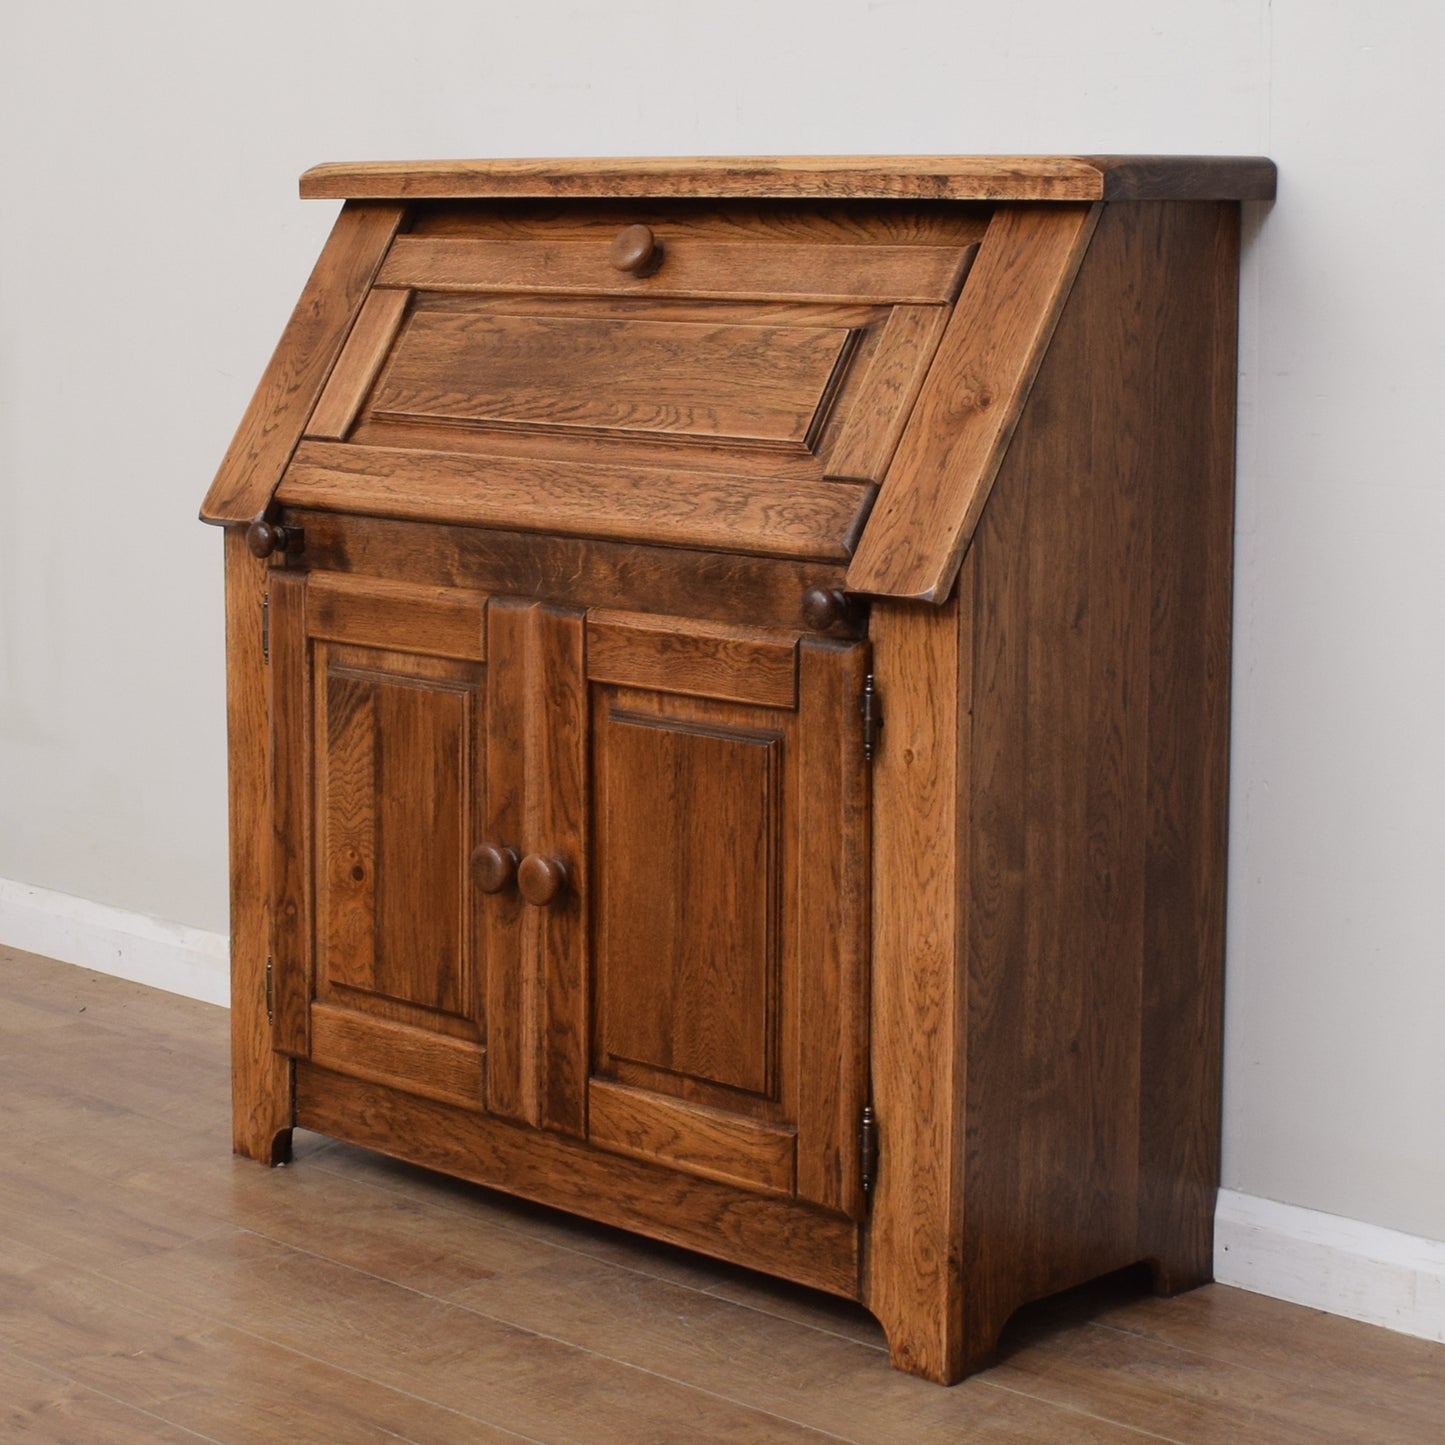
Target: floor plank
154 1288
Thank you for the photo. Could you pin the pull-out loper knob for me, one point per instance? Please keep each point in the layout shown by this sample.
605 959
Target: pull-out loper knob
636 251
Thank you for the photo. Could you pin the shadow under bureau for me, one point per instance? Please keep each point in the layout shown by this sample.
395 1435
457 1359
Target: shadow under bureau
728 702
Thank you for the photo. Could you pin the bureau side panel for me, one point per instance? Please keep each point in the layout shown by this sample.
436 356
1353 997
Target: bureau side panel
1093 906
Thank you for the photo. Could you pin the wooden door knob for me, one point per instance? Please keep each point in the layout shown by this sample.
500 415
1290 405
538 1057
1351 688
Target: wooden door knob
264 538
636 251
493 866
540 880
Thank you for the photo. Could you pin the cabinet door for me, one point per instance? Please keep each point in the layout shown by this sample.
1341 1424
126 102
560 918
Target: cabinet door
378 743
727 872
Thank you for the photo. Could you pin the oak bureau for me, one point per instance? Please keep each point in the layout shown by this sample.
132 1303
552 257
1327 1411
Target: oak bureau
728 703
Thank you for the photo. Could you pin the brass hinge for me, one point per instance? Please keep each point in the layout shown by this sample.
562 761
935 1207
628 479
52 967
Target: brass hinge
872 712
270 1017
265 627
867 1149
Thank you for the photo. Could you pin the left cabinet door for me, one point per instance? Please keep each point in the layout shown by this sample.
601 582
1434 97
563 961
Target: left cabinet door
378 774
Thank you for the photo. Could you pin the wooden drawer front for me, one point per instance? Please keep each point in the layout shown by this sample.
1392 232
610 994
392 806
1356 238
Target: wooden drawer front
764 385
757 270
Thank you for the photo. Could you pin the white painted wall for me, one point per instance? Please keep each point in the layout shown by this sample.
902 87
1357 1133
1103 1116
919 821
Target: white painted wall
151 248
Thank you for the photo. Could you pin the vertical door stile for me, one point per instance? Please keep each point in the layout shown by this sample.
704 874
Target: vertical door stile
537 806
290 679
558 808
510 998
829 876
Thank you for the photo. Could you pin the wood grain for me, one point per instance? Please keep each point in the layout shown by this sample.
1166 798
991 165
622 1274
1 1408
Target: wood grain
260 1078
830 815
371 612
736 514
1013 178
706 1142
777 270
1095 904
812 1247
361 360
914 1283
297 372
688 847
763 385
702 659
290 841
538 803
572 571
960 428
416 1060
875 423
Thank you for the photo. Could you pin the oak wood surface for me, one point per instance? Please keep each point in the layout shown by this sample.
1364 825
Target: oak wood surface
763 385
777 270
716 659
811 1247
759 592
399 616
261 1079
1094 901
116 1156
1014 178
738 513
960 428
711 1143
361 359
853 222
918 1042
297 372
870 434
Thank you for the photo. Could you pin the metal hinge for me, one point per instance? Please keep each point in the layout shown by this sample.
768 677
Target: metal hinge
265 627
872 712
867 1149
269 1014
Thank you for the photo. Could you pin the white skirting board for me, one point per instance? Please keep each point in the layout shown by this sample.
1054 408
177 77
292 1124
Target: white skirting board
183 960
1338 1265
1341 1266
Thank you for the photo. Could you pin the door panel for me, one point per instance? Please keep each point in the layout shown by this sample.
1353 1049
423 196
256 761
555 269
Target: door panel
377 784
729 897
687 844
396 741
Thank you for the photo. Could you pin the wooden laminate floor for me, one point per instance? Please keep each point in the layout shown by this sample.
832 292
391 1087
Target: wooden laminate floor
152 1288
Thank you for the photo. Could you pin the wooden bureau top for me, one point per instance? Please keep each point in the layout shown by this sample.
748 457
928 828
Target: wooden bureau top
944 178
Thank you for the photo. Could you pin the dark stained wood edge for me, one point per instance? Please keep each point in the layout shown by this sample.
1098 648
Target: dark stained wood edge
779 1236
958 178
763 592
260 1079
298 370
975 392
1191 573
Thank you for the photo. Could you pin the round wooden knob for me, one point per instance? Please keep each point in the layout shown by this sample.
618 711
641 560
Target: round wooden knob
493 867
540 880
824 606
263 538
636 251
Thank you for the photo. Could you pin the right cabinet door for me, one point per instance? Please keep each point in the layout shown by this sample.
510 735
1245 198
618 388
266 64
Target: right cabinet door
727 874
